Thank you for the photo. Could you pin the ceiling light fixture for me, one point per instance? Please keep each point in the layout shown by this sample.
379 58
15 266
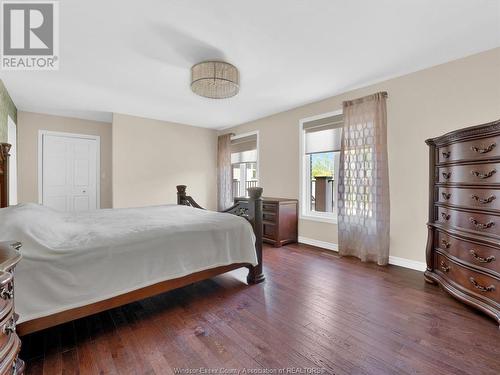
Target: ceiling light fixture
215 79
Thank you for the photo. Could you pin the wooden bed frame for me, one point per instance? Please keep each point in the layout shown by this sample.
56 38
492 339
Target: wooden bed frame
251 210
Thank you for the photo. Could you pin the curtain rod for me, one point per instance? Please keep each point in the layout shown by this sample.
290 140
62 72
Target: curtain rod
377 95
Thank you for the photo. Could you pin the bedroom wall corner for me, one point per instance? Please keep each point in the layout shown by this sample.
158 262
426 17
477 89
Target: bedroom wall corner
151 157
7 108
28 126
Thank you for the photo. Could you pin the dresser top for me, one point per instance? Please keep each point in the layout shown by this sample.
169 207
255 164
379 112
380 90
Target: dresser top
270 200
478 131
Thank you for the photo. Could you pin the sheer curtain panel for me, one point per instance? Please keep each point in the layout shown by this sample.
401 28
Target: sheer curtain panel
363 198
224 186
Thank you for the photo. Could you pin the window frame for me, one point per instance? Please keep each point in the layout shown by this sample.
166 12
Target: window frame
305 213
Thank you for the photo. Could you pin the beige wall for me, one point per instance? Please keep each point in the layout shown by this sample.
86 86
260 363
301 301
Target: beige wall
421 105
28 125
151 157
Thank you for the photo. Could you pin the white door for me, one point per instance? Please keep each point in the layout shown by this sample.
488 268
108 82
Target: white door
69 172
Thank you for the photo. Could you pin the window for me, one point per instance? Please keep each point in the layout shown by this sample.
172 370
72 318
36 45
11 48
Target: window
244 163
320 145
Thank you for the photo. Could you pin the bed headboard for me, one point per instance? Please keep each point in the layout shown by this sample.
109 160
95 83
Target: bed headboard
4 174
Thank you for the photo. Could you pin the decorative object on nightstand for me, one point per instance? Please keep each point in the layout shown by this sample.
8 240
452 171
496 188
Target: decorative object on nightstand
463 245
280 217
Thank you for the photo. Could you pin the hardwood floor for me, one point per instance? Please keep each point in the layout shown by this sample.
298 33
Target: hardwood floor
315 311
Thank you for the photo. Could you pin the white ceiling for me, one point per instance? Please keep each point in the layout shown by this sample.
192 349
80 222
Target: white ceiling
134 57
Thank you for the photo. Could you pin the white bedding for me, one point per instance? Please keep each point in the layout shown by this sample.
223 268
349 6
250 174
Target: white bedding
73 259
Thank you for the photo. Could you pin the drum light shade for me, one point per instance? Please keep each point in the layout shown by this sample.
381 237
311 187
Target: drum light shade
215 79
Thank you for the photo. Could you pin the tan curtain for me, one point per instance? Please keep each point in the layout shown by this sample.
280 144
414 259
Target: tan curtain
363 201
224 185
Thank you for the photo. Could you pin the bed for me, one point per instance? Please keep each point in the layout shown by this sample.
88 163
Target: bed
80 263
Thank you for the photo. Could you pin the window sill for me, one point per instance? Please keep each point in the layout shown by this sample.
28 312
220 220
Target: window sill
318 218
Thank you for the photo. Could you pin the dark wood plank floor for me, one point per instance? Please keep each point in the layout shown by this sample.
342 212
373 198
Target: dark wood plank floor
315 311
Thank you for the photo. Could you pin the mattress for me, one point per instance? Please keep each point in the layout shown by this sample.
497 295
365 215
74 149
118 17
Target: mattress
77 258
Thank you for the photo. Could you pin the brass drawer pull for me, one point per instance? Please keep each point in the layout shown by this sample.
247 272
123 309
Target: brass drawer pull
10 327
489 288
17 245
445 216
481 150
482 175
446 175
446 154
444 267
445 244
484 200
15 366
479 225
489 259
446 196
6 293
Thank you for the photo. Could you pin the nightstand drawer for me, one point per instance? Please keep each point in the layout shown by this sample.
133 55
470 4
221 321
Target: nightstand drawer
270 231
269 216
270 207
6 293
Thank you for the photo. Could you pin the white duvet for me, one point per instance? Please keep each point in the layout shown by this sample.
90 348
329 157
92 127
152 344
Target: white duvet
73 259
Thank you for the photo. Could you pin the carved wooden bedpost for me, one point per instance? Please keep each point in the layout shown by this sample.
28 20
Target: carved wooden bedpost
4 174
185 200
255 273
181 194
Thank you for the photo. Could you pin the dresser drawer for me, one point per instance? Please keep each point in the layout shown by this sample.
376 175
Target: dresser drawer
475 174
269 231
480 222
478 149
7 334
470 197
6 293
482 256
11 359
476 282
270 207
269 216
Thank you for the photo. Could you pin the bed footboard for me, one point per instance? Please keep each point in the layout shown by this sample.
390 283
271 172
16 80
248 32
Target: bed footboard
251 210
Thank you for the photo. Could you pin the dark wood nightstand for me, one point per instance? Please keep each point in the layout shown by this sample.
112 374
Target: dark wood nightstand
280 217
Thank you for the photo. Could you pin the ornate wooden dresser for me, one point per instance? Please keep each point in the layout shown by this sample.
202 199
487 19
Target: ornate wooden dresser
463 246
10 344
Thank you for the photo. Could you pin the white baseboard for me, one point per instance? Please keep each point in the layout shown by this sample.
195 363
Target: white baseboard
407 263
324 245
396 261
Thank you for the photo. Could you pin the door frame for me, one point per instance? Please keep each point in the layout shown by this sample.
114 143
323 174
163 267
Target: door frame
96 138
13 177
